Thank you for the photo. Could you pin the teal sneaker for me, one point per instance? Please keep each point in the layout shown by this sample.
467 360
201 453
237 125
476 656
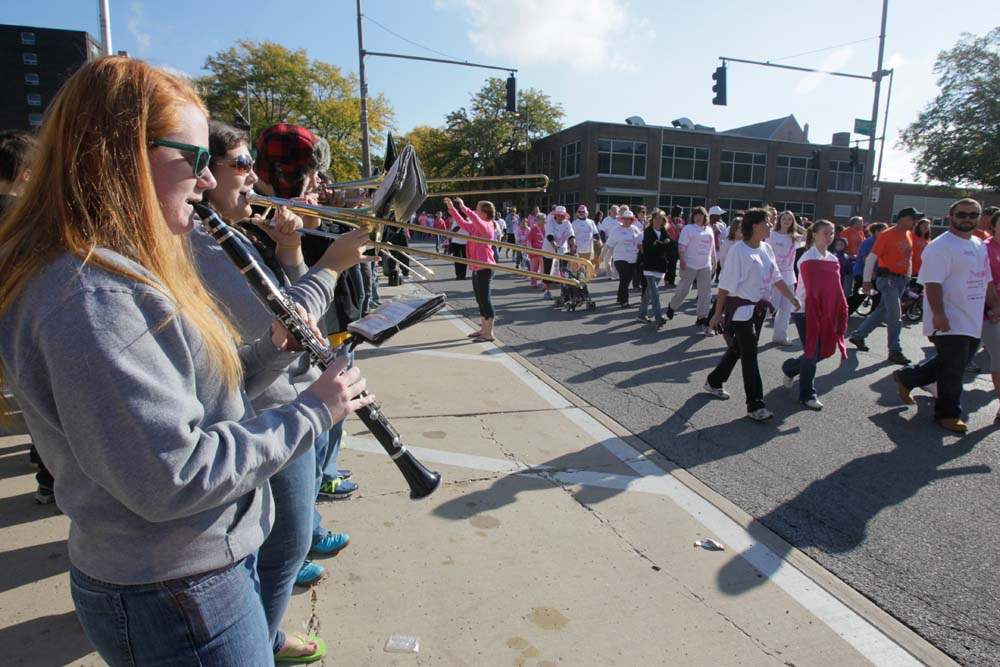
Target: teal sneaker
337 488
330 544
309 573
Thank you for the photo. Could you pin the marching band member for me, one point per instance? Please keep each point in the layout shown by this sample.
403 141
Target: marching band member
130 381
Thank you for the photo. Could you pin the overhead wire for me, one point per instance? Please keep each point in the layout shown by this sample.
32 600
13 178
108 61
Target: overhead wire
409 41
827 48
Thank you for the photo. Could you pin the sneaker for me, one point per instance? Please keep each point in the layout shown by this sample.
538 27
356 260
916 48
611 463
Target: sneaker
547 295
813 404
342 472
660 322
645 319
953 424
898 358
782 343
858 343
788 382
701 322
330 544
904 391
760 415
670 313
309 573
624 305
718 392
44 495
337 488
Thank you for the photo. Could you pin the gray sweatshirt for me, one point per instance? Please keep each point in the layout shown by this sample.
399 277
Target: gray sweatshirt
162 471
313 289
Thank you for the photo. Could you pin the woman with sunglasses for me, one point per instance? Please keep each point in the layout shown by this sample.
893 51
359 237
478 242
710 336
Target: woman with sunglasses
283 554
131 382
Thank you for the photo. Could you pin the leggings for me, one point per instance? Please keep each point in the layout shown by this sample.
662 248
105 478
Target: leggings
481 281
625 274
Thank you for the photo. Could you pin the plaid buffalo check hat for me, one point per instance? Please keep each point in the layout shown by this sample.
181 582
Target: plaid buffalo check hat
285 156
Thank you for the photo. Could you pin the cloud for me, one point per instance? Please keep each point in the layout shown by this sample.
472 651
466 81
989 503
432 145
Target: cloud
143 40
896 60
584 34
834 62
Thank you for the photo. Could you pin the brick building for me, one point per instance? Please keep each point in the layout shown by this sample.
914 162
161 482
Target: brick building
34 65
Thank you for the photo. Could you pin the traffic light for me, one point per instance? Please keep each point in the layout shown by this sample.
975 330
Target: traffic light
720 86
511 94
854 157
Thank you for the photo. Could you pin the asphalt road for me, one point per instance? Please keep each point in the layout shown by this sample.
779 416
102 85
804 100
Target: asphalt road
874 491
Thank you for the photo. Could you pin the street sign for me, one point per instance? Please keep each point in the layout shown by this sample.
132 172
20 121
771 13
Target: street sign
875 194
862 126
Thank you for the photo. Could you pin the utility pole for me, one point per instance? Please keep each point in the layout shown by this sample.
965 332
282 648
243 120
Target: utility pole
870 161
104 13
366 158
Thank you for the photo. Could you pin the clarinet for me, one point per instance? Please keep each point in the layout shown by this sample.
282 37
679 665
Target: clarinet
422 481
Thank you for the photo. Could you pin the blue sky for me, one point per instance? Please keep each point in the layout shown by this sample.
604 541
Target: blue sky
601 59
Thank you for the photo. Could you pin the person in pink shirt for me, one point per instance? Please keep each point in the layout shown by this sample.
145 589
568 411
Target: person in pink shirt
536 239
479 225
521 229
991 326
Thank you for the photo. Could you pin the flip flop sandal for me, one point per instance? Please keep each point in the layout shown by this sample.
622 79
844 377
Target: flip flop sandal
474 334
280 659
483 339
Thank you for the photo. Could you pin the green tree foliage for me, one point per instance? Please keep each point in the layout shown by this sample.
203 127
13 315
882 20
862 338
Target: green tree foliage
957 136
286 86
485 139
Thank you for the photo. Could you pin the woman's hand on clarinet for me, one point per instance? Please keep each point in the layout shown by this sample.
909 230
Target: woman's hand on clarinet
346 251
282 338
339 389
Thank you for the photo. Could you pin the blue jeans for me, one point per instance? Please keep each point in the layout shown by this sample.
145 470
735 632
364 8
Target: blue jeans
891 289
803 366
291 537
651 295
210 619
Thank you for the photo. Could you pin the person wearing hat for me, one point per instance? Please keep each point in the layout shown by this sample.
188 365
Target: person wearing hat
890 263
585 231
557 234
623 243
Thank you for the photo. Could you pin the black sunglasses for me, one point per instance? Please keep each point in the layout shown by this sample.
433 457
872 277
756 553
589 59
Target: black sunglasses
241 163
966 215
200 155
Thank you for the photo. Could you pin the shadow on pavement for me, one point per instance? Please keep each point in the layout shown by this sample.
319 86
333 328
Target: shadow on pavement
56 639
832 514
19 567
15 510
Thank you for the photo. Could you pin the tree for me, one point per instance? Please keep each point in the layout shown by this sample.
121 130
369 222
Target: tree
957 136
285 86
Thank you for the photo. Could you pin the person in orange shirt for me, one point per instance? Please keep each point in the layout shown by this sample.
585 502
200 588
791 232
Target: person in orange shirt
983 230
891 262
921 237
854 235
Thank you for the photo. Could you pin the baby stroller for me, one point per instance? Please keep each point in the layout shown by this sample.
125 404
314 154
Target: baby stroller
572 296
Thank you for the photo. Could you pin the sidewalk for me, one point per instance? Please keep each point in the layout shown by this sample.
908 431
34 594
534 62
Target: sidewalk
555 538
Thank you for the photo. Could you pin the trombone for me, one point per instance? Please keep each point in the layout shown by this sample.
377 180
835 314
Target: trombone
375 181
354 218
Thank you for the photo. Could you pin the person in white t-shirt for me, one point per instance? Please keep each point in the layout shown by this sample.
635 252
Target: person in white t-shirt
784 241
623 243
604 228
958 283
744 287
696 247
558 231
818 240
584 229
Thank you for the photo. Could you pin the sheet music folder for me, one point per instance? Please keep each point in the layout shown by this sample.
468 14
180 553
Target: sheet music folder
393 316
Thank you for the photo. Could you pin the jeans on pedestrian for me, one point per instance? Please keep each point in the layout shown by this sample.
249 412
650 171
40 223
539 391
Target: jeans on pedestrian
625 270
688 277
43 476
954 353
888 309
803 366
744 350
651 295
287 545
214 618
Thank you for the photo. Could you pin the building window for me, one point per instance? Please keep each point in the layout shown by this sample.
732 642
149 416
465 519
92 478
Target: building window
569 160
733 205
797 172
605 202
28 38
686 202
741 168
34 100
621 158
684 163
546 163
31 79
29 58
569 200
799 208
35 119
844 177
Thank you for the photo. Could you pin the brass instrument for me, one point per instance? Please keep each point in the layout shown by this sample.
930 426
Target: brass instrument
375 181
358 218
